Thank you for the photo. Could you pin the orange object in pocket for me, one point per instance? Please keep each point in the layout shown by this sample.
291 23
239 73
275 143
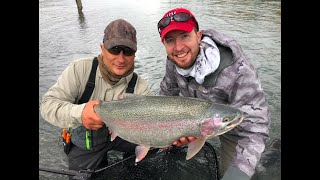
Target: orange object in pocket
64 134
68 138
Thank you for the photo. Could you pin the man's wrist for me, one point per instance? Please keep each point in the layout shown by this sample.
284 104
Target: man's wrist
76 112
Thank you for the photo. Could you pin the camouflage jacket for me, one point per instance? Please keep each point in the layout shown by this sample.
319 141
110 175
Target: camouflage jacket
234 83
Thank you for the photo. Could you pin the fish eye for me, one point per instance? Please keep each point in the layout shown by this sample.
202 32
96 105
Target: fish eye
225 119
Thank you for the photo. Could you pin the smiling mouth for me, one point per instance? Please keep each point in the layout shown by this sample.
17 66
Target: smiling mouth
120 66
181 55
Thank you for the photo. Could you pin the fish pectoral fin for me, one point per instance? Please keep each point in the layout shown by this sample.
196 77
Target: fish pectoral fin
194 147
141 152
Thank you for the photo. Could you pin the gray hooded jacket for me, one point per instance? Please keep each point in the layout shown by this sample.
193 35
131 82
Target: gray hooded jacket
234 83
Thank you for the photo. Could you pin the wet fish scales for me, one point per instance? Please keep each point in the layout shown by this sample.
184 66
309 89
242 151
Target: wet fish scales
157 121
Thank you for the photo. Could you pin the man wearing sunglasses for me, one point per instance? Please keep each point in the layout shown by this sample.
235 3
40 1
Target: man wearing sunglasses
210 65
64 104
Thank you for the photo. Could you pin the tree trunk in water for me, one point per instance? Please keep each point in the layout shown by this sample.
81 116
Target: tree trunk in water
79 6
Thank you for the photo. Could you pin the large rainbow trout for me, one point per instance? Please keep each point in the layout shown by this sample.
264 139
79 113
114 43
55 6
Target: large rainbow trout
158 121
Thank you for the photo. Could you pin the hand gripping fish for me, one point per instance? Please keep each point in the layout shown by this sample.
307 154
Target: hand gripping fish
158 121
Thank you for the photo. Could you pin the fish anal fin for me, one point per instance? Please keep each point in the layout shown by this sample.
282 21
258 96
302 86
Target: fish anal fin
113 135
194 147
141 152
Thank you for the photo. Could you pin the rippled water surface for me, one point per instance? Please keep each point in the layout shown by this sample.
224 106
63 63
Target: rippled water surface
65 36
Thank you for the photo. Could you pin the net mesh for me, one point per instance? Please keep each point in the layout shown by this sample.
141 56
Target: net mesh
162 164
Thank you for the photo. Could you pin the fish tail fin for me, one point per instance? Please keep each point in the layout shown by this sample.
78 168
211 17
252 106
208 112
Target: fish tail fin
141 152
194 147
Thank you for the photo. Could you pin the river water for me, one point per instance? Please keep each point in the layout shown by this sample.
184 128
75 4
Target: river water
66 35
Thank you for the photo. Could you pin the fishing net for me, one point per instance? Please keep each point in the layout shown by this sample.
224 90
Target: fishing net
162 164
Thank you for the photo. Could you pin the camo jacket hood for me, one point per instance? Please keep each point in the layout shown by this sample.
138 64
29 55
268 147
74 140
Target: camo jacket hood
234 83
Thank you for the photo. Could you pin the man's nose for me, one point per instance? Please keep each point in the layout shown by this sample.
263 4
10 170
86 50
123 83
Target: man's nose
121 56
178 44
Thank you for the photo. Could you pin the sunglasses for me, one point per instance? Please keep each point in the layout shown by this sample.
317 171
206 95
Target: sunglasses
179 17
117 49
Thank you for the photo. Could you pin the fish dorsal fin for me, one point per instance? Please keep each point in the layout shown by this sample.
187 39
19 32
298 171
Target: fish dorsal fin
127 96
195 146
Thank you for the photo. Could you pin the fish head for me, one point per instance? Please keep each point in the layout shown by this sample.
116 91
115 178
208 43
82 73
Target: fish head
221 123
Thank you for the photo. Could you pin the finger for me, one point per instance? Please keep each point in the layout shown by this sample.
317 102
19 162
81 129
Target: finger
177 143
92 121
184 140
121 96
95 102
191 138
96 116
95 127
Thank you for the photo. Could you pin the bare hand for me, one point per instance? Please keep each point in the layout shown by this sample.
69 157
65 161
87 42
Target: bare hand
90 119
183 141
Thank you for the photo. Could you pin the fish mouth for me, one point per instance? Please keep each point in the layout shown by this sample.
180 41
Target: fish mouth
237 120
230 125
